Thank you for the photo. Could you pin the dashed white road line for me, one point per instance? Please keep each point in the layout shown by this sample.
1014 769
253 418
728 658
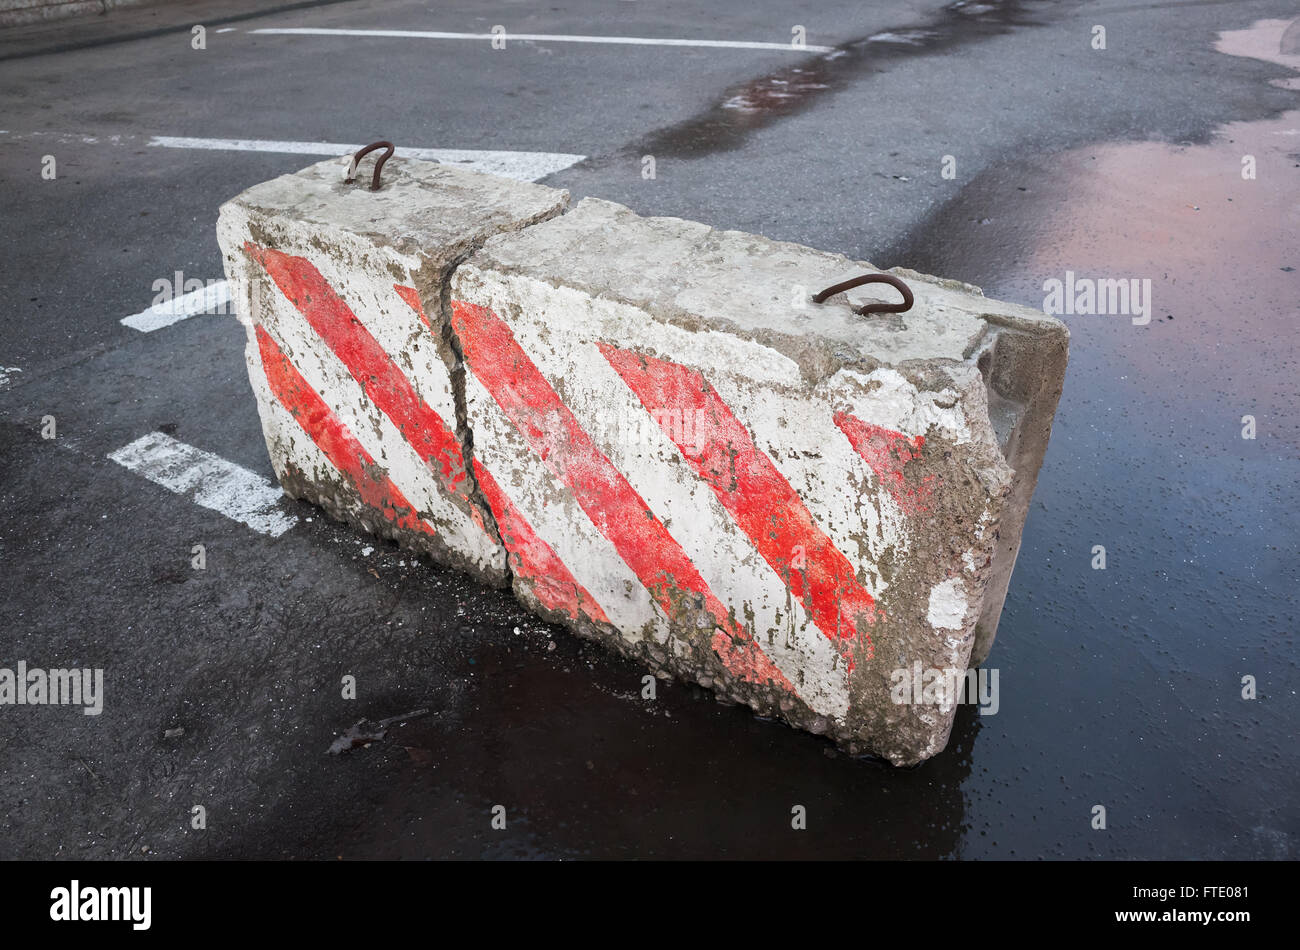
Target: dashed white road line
521 166
207 480
214 295
549 38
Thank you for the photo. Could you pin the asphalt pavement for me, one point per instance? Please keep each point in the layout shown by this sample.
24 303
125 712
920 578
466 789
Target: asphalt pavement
1120 687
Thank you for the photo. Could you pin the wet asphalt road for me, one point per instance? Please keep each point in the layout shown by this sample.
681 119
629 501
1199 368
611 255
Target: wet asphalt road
1119 687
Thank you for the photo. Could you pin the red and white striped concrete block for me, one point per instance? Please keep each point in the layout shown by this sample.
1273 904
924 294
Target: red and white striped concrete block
781 501
650 432
353 379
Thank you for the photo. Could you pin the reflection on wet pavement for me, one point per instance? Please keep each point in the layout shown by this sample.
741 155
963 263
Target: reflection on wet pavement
755 104
1120 687
1136 670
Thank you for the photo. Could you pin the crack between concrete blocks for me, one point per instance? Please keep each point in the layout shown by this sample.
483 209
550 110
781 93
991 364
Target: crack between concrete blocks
457 370
464 432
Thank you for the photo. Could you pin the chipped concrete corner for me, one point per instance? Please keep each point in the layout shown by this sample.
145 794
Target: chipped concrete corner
646 428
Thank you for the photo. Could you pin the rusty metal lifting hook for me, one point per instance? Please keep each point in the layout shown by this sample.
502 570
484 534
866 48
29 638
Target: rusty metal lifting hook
890 279
379 164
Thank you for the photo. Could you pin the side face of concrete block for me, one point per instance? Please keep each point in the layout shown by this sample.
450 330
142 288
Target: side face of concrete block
801 508
341 292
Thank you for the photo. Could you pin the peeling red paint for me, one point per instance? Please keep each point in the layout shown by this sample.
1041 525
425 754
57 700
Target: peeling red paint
334 438
412 299
600 489
760 499
888 453
552 583
744 658
381 378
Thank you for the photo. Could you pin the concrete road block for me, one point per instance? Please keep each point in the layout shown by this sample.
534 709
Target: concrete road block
806 510
340 290
648 429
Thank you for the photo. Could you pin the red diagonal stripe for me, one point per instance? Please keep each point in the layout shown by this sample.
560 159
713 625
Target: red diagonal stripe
757 496
412 298
888 453
383 381
534 559
333 438
612 504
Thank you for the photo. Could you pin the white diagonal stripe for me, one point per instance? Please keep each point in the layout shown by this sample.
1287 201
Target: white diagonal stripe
207 480
214 295
559 520
327 376
690 511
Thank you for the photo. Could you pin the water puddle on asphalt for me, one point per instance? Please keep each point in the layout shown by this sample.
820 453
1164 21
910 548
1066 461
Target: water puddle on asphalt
613 775
1175 447
1213 230
749 106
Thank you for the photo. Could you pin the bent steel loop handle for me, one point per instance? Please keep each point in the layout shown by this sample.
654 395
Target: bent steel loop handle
889 279
379 164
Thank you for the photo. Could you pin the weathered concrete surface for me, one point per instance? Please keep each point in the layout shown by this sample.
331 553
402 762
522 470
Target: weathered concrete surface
354 380
649 431
782 501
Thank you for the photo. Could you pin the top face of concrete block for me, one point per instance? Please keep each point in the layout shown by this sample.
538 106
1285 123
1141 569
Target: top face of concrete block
421 209
699 277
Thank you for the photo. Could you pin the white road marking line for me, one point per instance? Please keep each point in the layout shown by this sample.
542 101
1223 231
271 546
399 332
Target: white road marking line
214 295
550 38
207 480
521 166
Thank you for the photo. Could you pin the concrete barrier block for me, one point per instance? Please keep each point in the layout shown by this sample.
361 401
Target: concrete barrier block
340 290
647 429
806 510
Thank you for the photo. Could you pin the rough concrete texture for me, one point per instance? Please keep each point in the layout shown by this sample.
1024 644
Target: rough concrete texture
21 12
782 501
354 381
648 430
